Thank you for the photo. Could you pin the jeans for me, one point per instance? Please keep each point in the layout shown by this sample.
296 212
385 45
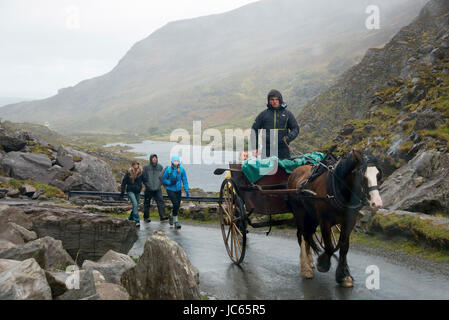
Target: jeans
134 198
175 197
157 196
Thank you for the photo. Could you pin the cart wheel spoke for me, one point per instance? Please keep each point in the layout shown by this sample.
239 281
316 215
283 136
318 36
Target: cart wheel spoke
227 236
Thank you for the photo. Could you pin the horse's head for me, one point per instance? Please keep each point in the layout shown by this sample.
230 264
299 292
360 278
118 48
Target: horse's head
370 175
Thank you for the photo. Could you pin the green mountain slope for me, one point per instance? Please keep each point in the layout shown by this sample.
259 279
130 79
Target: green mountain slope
219 68
395 102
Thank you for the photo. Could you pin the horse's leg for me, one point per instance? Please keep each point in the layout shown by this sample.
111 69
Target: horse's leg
343 275
324 260
298 212
305 262
310 256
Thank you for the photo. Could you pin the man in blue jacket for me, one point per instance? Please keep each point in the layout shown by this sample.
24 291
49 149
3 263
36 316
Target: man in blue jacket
174 176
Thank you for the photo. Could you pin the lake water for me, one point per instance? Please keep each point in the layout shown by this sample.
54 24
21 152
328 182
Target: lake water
199 161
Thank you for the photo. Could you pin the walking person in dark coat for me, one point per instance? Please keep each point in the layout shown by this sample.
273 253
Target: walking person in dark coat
275 117
132 184
153 183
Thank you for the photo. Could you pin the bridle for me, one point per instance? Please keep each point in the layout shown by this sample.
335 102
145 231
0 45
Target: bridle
358 199
369 162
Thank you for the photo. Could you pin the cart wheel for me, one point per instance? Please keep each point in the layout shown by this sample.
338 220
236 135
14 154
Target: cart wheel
233 221
335 233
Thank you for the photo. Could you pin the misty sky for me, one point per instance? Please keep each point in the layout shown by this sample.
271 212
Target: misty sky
50 44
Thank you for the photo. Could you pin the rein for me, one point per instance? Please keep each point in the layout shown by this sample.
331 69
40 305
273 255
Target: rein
334 193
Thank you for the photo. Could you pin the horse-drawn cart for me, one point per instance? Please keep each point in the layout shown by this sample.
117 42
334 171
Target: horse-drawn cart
239 199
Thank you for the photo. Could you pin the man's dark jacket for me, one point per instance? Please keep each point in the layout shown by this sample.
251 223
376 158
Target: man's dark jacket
151 173
275 118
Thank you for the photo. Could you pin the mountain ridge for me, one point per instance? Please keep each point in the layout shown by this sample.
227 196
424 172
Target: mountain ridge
394 103
215 68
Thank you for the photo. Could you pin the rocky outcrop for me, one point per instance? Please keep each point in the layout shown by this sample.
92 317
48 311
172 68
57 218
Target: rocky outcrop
23 166
67 168
23 280
15 225
85 290
48 253
11 143
111 291
95 173
393 103
426 230
422 185
163 272
64 159
25 234
84 235
111 266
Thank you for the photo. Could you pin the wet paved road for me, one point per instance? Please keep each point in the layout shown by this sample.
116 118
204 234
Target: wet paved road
270 269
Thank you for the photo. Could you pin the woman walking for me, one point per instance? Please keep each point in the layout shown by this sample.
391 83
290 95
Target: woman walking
172 178
132 184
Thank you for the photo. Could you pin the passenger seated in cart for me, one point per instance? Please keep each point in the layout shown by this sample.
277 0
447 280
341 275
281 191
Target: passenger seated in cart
275 117
243 156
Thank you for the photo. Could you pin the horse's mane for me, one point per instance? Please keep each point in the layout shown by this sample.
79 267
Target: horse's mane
346 165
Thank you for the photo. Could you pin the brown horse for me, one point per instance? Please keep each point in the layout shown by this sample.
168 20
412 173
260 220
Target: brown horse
333 198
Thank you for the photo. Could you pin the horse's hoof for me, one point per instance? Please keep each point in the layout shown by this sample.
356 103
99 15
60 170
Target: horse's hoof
324 263
307 274
347 282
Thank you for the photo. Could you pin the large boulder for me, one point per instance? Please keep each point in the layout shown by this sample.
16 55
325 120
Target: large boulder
73 170
57 280
422 185
96 174
111 265
16 215
111 291
47 252
24 166
64 159
14 225
84 235
85 290
27 190
163 272
60 282
23 280
25 234
10 143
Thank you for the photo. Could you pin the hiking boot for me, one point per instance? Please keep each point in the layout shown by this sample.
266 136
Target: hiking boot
170 220
177 225
137 224
148 220
164 218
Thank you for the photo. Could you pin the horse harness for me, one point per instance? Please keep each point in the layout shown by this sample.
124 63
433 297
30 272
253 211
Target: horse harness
334 196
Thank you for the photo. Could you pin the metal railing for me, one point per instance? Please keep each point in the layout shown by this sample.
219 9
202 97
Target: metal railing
104 195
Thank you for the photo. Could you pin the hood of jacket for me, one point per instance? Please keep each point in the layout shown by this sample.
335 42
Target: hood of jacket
175 158
151 158
276 94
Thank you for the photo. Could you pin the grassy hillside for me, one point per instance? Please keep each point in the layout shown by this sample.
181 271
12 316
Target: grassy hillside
395 102
219 68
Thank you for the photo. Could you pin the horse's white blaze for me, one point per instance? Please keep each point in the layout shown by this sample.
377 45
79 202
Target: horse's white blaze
375 199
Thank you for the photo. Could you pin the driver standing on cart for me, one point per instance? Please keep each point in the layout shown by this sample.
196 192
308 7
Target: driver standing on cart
275 119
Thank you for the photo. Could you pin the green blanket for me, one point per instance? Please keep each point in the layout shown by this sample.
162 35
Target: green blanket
254 169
